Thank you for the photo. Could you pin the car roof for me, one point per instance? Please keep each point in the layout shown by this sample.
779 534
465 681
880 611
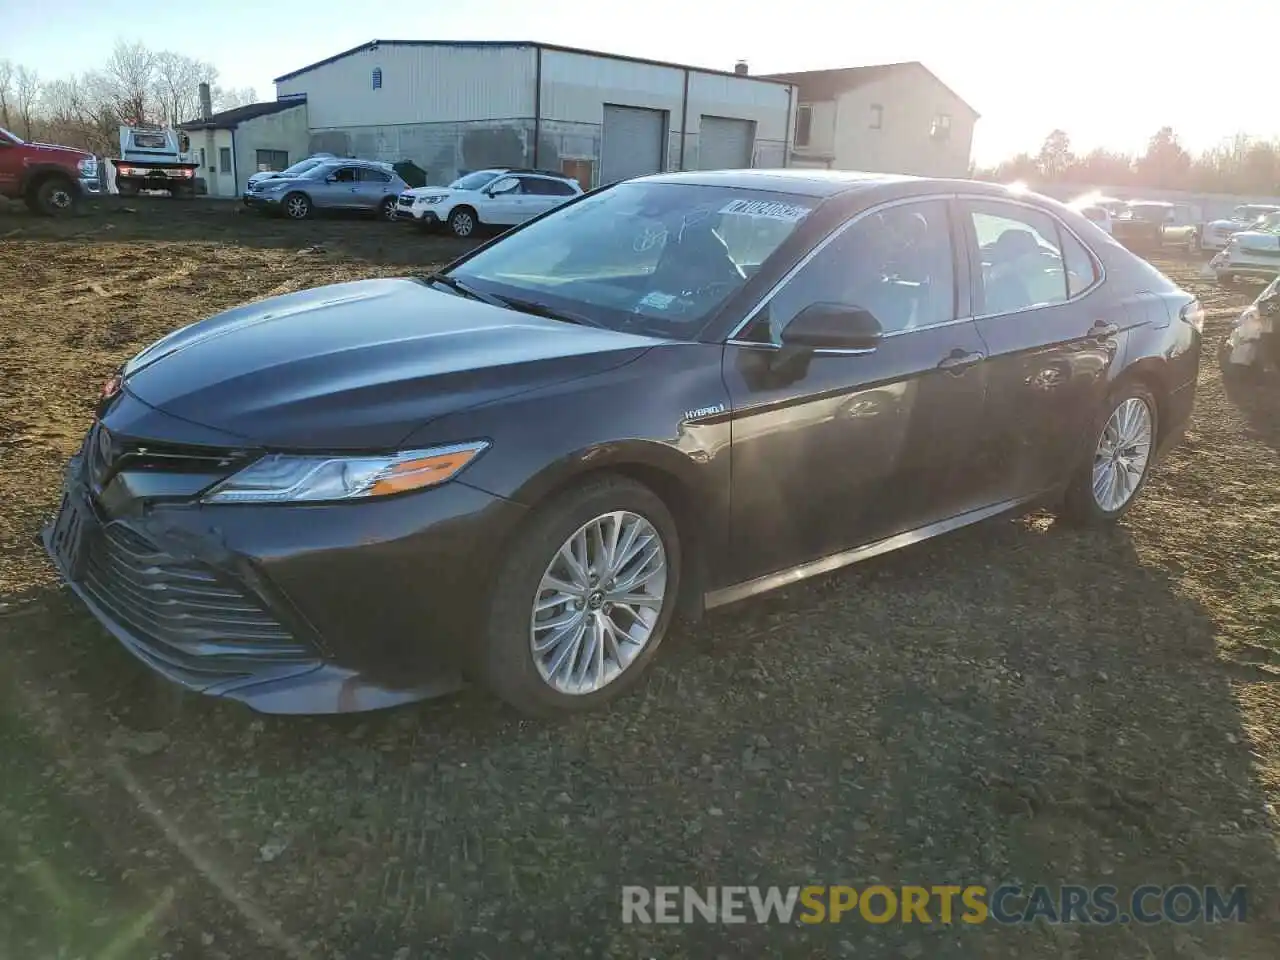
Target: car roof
830 183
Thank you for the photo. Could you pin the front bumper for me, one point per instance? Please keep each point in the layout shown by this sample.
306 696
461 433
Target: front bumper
424 216
298 609
1245 264
259 201
90 186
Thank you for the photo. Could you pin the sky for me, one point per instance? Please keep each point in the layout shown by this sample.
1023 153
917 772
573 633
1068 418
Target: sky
1108 72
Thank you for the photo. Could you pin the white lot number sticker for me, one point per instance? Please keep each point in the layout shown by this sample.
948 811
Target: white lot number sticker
769 209
659 301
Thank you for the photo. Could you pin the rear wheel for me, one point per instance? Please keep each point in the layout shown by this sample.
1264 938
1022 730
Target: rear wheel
296 206
1109 481
583 599
387 209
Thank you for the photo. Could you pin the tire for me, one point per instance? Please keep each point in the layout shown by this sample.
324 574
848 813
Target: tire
387 209
463 222
296 206
1080 504
55 197
508 664
127 189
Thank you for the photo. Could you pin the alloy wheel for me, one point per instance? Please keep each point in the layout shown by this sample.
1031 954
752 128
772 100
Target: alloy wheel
598 602
1123 452
60 199
388 209
296 207
463 224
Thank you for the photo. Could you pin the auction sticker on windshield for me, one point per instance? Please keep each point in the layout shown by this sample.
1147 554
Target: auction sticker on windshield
769 209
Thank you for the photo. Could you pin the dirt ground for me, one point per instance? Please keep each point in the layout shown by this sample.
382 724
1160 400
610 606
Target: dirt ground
1018 702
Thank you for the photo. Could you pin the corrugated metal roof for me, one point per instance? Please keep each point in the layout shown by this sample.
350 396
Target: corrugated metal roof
238 115
829 84
521 43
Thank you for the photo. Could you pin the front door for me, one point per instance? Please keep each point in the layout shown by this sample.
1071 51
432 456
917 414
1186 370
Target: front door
502 205
338 189
854 447
1052 332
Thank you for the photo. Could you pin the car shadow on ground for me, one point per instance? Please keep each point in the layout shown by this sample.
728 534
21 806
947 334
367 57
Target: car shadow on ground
1256 395
1016 703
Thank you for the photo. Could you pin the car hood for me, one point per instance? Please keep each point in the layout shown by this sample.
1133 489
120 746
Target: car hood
430 191
56 148
360 365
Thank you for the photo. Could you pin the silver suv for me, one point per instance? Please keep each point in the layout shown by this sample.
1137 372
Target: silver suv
363 185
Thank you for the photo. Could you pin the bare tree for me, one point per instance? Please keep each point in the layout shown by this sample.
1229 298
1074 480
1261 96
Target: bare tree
177 85
26 87
128 82
6 92
229 98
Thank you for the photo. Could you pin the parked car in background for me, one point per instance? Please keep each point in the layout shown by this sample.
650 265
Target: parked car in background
1216 233
1254 340
1095 214
360 185
1151 224
50 179
1250 253
295 170
498 197
667 395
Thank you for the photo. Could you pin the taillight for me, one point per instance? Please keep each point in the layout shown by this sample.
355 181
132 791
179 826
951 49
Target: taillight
1193 314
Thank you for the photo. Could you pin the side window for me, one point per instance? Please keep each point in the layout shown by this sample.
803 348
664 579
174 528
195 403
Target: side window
504 185
370 175
896 263
558 188
345 175
1021 261
535 186
1081 272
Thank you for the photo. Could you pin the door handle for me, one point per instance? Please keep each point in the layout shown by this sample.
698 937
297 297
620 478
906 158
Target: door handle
959 360
1102 330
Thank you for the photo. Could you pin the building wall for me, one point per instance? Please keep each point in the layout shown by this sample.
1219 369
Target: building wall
910 100
455 108
420 84
287 131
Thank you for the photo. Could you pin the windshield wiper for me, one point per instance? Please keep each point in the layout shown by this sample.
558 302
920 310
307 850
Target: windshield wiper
463 288
538 309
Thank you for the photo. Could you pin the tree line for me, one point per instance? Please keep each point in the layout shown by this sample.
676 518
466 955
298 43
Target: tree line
1241 165
135 84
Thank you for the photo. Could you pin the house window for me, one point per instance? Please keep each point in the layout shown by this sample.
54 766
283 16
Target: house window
877 116
941 129
804 125
377 78
272 160
224 159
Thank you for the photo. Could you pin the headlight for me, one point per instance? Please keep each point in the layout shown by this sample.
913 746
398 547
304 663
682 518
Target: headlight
88 166
436 198
285 478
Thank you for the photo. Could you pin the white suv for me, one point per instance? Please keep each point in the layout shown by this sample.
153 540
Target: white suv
503 197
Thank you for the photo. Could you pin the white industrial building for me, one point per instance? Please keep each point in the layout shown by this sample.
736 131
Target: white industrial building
452 107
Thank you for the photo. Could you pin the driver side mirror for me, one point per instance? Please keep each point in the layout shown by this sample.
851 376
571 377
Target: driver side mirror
833 326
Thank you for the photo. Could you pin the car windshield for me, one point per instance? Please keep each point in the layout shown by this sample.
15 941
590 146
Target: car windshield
647 257
12 136
474 181
1269 223
301 167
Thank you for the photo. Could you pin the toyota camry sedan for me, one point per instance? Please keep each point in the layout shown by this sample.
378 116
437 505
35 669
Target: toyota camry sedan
667 395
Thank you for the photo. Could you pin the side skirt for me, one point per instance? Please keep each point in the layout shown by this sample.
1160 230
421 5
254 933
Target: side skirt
813 568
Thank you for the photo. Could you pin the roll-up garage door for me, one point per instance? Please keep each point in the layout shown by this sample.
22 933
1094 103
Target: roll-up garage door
633 142
725 143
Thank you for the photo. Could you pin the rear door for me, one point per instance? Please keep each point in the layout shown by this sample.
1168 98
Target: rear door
1051 329
855 446
372 185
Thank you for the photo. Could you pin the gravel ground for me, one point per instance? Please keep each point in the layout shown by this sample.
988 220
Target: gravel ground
1018 702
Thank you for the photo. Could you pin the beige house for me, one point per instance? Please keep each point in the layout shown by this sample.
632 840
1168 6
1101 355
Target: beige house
233 145
888 118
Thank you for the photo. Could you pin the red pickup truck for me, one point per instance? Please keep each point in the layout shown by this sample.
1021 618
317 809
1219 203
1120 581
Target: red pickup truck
51 179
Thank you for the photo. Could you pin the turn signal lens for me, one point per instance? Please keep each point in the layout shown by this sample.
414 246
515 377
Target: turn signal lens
423 472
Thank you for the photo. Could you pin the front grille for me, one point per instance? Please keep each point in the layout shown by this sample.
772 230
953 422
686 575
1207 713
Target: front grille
183 608
108 454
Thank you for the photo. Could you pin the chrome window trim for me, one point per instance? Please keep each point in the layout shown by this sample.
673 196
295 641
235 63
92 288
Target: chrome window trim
832 351
817 249
1098 266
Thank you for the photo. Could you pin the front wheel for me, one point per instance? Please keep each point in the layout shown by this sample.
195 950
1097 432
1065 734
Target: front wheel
463 222
55 197
583 599
1108 482
296 206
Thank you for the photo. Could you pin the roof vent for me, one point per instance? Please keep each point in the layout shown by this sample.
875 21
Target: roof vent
740 68
377 78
